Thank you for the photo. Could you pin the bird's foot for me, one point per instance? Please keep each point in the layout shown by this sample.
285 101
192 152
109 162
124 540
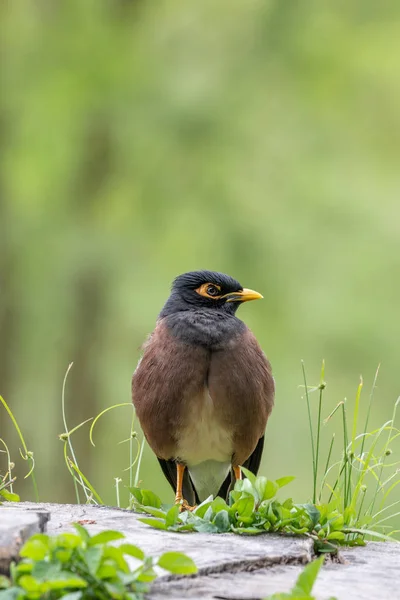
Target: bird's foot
184 505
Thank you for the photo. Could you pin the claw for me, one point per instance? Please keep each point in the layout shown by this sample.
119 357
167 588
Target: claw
186 506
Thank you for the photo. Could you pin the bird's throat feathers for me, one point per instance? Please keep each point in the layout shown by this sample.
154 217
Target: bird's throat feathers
208 327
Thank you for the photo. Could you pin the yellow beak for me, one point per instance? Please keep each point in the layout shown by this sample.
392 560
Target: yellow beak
244 296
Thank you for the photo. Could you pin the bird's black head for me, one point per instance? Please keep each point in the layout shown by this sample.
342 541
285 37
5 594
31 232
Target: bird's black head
207 289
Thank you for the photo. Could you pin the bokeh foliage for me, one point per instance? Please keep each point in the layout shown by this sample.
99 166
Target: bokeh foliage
143 139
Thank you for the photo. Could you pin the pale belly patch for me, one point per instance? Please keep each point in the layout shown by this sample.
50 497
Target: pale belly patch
205 445
202 437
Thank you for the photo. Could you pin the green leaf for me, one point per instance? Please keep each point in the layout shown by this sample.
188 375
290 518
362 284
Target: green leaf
260 485
246 520
21 568
172 516
307 577
184 527
150 499
325 547
92 557
72 596
67 580
42 537
105 536
247 530
63 556
136 493
147 576
370 532
247 486
202 508
83 532
116 587
4 582
176 562
288 503
336 535
337 522
245 506
238 485
282 481
9 496
234 496
29 583
106 571
132 550
154 512
67 540
349 514
155 523
12 593
270 490
205 527
249 475
218 504
222 521
209 514
34 549
43 570
312 512
114 554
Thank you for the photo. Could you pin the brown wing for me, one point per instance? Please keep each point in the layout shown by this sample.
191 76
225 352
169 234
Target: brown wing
242 388
169 373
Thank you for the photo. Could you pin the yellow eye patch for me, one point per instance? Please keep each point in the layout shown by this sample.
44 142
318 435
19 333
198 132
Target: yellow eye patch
209 290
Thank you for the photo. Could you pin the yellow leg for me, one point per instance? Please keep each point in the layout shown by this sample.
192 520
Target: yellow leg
238 472
180 469
179 499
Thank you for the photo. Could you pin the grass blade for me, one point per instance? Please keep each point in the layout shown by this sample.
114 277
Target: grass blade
311 429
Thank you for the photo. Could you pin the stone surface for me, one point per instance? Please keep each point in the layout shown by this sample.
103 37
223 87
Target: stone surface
370 573
240 568
211 553
16 527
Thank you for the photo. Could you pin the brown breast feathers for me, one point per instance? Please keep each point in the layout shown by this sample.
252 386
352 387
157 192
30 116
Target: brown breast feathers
172 376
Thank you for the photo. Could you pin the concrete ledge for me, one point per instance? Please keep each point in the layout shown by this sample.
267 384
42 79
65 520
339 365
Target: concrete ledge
16 526
230 567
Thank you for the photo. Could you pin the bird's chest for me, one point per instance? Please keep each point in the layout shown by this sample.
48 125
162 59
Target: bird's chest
203 436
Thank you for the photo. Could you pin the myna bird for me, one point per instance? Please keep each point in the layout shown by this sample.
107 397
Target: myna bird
203 389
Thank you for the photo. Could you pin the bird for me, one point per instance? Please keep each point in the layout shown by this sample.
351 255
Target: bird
203 389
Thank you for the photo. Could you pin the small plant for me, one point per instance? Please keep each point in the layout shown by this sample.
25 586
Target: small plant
81 482
360 482
7 480
81 567
304 584
253 509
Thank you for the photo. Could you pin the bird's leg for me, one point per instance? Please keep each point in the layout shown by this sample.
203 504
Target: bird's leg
238 473
179 499
180 469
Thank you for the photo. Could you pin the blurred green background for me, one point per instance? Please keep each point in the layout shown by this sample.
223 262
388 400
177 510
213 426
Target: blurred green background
144 139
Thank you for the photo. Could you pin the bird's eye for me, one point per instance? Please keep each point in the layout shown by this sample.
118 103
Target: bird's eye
212 290
209 290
